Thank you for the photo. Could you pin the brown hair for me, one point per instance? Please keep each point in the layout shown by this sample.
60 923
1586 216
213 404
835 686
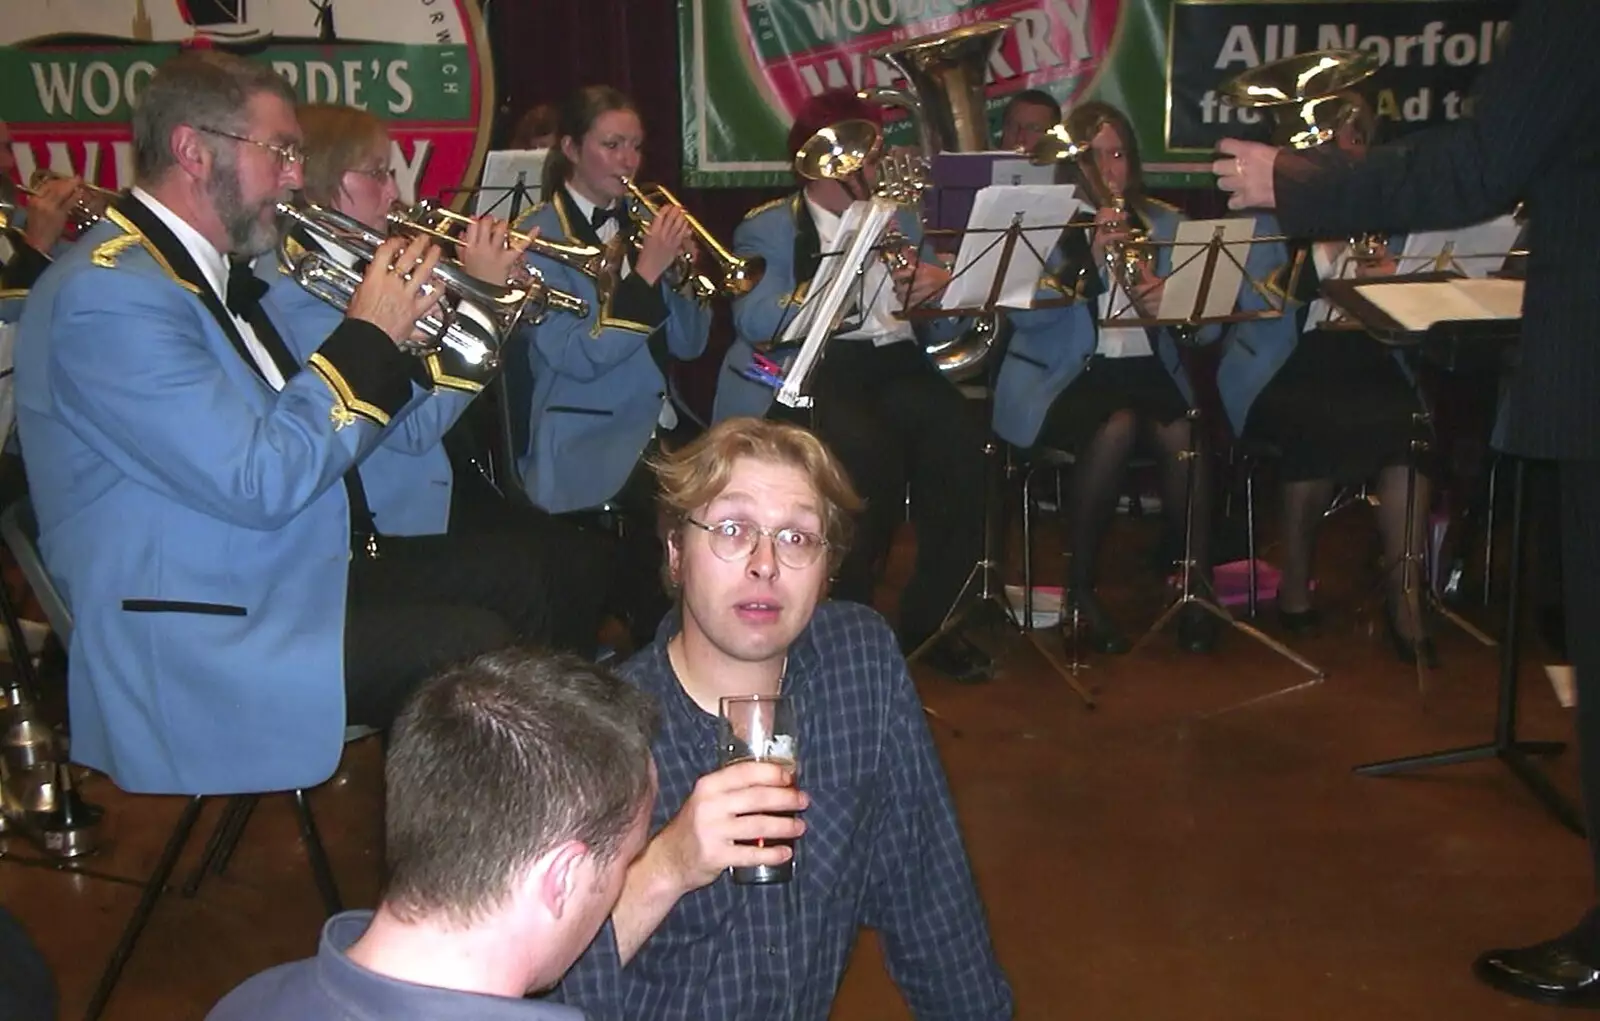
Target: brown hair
337 139
1085 121
692 477
577 115
501 760
540 120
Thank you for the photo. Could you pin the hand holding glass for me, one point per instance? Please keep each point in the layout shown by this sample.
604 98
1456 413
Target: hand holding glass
759 728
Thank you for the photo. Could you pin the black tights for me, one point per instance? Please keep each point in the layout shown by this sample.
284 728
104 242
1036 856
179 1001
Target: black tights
1097 483
1305 503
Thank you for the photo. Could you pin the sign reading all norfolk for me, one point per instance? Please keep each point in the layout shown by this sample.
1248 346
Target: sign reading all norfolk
71 71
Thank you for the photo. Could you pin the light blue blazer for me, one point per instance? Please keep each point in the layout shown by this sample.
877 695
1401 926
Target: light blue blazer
597 392
193 517
407 478
1050 346
1258 348
770 231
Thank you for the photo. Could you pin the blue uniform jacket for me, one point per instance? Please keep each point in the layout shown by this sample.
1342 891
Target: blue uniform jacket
1050 346
772 231
1258 348
192 517
597 386
407 478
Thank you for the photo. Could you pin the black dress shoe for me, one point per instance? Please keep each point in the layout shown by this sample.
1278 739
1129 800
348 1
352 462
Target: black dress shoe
1562 972
1197 629
1300 622
960 660
1410 650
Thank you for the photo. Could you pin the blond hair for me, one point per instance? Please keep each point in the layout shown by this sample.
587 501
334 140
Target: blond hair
337 139
692 477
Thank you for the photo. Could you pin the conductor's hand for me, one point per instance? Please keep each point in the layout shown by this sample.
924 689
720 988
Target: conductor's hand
918 282
668 234
1245 173
738 802
48 210
488 251
397 288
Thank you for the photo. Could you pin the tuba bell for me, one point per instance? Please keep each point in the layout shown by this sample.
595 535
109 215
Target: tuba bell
469 325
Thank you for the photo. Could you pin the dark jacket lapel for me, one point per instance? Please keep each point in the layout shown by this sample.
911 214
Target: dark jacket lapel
807 244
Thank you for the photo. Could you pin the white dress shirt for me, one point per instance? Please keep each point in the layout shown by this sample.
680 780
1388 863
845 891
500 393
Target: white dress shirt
607 231
878 324
215 268
1120 341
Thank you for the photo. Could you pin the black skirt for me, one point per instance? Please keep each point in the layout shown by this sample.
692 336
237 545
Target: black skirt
1105 386
1340 408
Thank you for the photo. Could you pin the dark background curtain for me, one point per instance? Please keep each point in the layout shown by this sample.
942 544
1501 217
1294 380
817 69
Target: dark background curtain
546 48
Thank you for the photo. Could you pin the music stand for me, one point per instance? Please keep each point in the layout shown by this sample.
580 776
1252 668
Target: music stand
1442 343
1212 252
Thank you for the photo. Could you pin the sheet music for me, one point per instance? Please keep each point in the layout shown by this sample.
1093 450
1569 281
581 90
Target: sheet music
1417 305
1042 210
1189 257
824 306
502 169
1477 250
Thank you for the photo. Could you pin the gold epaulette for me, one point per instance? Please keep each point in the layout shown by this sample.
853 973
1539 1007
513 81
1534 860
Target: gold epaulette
522 224
110 250
763 207
13 292
1161 204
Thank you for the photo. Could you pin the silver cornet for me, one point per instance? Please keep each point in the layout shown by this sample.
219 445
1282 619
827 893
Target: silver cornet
473 319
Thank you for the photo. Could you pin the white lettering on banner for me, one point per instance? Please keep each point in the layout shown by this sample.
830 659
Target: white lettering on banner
408 172
832 20
99 85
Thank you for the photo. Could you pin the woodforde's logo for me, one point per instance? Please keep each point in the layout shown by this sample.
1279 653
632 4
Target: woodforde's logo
71 70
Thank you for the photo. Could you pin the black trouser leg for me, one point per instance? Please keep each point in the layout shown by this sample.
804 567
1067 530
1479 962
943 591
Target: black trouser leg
1580 568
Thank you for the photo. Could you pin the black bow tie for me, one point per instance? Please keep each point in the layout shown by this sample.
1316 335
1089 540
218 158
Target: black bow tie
598 218
245 289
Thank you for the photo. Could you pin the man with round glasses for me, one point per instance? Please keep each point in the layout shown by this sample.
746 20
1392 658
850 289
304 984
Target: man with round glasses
758 518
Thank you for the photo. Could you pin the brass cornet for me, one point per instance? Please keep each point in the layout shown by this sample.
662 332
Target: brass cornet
473 320
735 276
85 213
444 225
1128 258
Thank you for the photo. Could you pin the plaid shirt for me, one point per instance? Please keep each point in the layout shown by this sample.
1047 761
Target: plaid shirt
881 849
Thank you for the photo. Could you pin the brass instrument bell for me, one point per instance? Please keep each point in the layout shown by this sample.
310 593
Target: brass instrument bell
1302 93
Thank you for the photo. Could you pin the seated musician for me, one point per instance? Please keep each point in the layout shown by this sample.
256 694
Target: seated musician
879 402
544 576
1027 117
758 515
29 235
190 476
492 896
1100 392
1338 405
599 387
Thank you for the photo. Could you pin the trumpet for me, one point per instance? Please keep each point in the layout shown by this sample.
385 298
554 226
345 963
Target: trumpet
473 319
735 276
442 224
85 213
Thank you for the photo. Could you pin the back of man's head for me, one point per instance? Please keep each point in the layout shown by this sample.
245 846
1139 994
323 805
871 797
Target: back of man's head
495 763
204 89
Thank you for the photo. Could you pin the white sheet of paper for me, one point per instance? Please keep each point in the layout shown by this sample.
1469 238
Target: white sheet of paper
1189 257
1020 171
502 168
824 306
1477 250
1417 305
1042 210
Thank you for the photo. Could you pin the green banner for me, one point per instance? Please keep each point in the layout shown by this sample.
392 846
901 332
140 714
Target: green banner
750 64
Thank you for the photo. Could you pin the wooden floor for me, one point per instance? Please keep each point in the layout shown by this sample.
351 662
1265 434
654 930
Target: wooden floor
1195 847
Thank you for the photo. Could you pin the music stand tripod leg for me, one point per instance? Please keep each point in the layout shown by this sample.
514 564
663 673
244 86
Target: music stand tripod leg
1186 590
1506 746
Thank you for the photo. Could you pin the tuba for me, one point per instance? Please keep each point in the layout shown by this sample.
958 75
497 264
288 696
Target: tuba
471 322
735 276
947 101
1306 96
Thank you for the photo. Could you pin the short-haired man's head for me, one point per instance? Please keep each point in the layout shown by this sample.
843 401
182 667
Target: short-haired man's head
204 89
697 474
1027 116
336 139
497 762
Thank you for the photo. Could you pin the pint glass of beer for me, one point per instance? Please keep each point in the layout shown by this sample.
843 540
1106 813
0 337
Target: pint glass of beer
759 728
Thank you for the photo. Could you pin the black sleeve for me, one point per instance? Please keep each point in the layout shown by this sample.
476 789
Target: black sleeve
639 302
365 366
24 267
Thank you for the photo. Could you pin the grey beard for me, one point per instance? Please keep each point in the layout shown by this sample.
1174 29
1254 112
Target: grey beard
247 235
